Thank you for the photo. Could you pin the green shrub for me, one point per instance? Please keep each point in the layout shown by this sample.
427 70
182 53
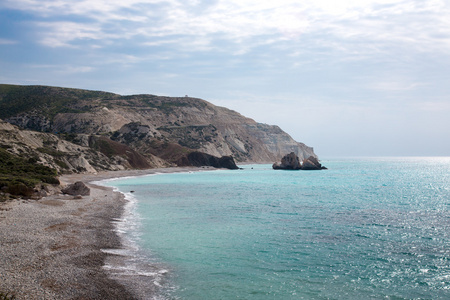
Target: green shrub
61 164
50 151
7 296
18 176
19 189
15 99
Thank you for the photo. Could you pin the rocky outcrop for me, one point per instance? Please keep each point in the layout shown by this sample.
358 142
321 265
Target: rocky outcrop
279 142
288 162
312 163
77 189
131 158
292 162
50 150
199 159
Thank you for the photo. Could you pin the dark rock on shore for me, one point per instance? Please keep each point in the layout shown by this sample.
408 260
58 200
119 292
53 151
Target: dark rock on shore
200 159
77 188
292 162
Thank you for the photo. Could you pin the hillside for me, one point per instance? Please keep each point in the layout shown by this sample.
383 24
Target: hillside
65 157
163 130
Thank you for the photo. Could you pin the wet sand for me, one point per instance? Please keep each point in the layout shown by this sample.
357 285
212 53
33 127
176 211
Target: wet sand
52 248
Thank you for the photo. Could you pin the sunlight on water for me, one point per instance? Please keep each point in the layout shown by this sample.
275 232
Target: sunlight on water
364 229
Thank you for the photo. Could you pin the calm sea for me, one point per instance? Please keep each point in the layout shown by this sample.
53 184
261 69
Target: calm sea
372 228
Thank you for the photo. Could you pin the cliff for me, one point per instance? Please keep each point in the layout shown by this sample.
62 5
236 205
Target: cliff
65 157
137 130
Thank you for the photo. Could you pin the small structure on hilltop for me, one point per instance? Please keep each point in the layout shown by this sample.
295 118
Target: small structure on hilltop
292 162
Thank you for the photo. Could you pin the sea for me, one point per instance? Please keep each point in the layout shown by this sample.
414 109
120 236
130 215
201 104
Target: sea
366 228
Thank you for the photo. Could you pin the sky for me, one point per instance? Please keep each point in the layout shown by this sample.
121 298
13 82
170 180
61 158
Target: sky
347 77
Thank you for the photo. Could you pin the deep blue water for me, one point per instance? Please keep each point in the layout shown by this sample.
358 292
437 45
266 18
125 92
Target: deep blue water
372 228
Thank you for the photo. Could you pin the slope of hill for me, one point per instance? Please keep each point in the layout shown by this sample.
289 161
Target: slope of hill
164 130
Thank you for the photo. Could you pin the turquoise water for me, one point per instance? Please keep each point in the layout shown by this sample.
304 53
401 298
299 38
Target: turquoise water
375 228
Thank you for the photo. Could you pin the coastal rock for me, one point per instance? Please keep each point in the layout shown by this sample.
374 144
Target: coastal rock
200 159
227 162
312 163
288 162
292 162
77 188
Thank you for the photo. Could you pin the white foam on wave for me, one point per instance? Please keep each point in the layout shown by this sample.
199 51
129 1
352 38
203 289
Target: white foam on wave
119 252
132 270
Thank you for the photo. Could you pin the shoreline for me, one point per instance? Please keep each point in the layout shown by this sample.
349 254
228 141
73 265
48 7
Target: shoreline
57 247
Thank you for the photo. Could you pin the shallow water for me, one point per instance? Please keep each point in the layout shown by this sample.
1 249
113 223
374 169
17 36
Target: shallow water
372 228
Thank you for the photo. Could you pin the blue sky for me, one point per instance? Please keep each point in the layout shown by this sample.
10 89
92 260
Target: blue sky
347 77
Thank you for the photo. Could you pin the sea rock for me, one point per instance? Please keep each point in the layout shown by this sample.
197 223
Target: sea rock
292 162
77 188
288 162
312 163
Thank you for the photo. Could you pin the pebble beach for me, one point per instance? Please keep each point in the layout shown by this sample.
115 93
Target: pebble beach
52 248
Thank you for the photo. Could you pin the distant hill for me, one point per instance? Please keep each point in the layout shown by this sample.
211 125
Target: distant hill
110 131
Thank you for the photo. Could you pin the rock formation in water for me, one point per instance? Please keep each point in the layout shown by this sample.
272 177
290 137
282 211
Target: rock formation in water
312 163
288 162
292 162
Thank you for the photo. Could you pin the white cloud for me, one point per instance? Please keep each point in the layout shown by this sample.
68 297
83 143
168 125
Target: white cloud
65 69
60 34
356 28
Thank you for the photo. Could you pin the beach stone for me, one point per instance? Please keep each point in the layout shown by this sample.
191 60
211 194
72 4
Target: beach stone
77 188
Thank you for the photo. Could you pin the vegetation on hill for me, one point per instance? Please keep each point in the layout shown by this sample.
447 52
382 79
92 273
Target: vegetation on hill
18 176
111 148
15 99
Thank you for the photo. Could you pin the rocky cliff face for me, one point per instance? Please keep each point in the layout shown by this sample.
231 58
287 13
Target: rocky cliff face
66 157
162 129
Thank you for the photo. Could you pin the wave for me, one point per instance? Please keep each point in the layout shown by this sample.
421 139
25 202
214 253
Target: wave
131 265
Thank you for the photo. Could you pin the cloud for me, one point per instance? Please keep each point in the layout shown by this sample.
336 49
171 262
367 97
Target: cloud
65 69
66 34
302 34
345 26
